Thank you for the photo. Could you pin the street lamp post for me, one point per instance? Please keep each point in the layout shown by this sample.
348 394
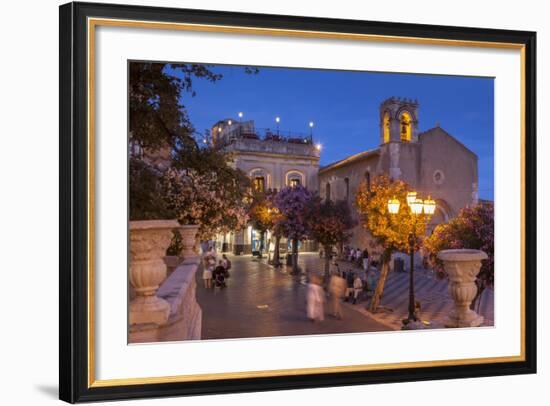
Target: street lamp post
240 123
416 206
277 120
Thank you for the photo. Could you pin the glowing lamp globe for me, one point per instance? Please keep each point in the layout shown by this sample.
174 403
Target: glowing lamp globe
411 198
393 206
417 206
429 206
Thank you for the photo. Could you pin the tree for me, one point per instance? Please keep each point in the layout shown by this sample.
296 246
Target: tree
261 213
207 200
292 202
391 231
145 192
157 115
329 224
473 228
211 191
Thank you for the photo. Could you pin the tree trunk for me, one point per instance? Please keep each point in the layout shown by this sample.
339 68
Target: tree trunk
295 255
262 236
328 250
276 258
375 301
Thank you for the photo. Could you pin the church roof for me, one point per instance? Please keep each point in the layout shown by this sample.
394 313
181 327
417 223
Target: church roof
350 159
440 131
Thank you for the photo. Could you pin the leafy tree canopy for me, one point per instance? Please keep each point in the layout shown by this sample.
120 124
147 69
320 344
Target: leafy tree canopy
391 231
330 222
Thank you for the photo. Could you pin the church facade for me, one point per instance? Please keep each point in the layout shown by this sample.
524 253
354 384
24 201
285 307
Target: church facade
433 163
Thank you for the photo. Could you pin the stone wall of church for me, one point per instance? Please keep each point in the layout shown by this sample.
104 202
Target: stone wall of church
449 171
356 173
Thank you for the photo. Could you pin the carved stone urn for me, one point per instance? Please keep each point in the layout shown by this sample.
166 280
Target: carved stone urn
188 234
149 240
462 267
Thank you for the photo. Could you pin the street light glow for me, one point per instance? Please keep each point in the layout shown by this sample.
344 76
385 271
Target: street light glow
240 114
393 206
277 120
230 122
411 197
429 206
311 124
319 147
417 206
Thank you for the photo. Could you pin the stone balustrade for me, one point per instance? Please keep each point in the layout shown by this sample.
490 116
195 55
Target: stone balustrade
184 321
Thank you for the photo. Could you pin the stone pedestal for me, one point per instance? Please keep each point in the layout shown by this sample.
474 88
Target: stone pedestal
185 315
188 235
148 243
462 267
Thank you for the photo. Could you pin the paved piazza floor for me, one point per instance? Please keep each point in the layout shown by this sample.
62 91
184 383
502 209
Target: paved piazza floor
260 301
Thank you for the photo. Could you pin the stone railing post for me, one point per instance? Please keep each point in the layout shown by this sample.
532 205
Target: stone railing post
188 234
148 243
462 267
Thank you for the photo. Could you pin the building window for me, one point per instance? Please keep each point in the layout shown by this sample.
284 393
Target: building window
405 127
346 181
294 178
259 184
438 177
367 180
386 127
327 191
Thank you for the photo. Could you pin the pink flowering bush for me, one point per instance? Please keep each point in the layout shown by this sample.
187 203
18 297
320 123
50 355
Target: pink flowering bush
198 199
474 229
292 203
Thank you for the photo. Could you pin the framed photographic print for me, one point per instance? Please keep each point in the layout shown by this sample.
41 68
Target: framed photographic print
258 202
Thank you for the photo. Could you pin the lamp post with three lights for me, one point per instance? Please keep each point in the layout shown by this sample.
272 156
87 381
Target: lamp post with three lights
418 207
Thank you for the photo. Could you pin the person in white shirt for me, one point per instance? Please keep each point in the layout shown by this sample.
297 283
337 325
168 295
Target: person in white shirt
315 300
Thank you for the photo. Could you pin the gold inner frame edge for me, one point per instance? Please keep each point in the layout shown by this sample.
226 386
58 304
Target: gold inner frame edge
92 23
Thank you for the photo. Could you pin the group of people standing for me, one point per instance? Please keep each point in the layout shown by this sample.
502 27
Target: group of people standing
344 286
357 256
215 272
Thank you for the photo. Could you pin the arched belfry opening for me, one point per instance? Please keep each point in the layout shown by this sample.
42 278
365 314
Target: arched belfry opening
398 120
386 127
405 127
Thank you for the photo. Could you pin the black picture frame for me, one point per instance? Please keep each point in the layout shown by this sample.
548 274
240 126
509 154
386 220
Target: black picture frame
74 385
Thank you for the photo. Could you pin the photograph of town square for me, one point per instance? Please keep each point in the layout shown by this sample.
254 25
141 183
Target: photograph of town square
270 201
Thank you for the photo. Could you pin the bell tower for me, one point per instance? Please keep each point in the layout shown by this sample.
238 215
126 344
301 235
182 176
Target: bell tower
398 120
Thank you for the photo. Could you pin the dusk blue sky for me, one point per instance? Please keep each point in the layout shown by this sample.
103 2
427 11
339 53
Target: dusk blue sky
345 107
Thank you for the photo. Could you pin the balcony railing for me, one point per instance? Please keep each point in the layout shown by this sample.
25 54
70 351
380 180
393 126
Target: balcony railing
270 134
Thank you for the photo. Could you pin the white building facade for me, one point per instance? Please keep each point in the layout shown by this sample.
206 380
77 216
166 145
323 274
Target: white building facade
273 160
